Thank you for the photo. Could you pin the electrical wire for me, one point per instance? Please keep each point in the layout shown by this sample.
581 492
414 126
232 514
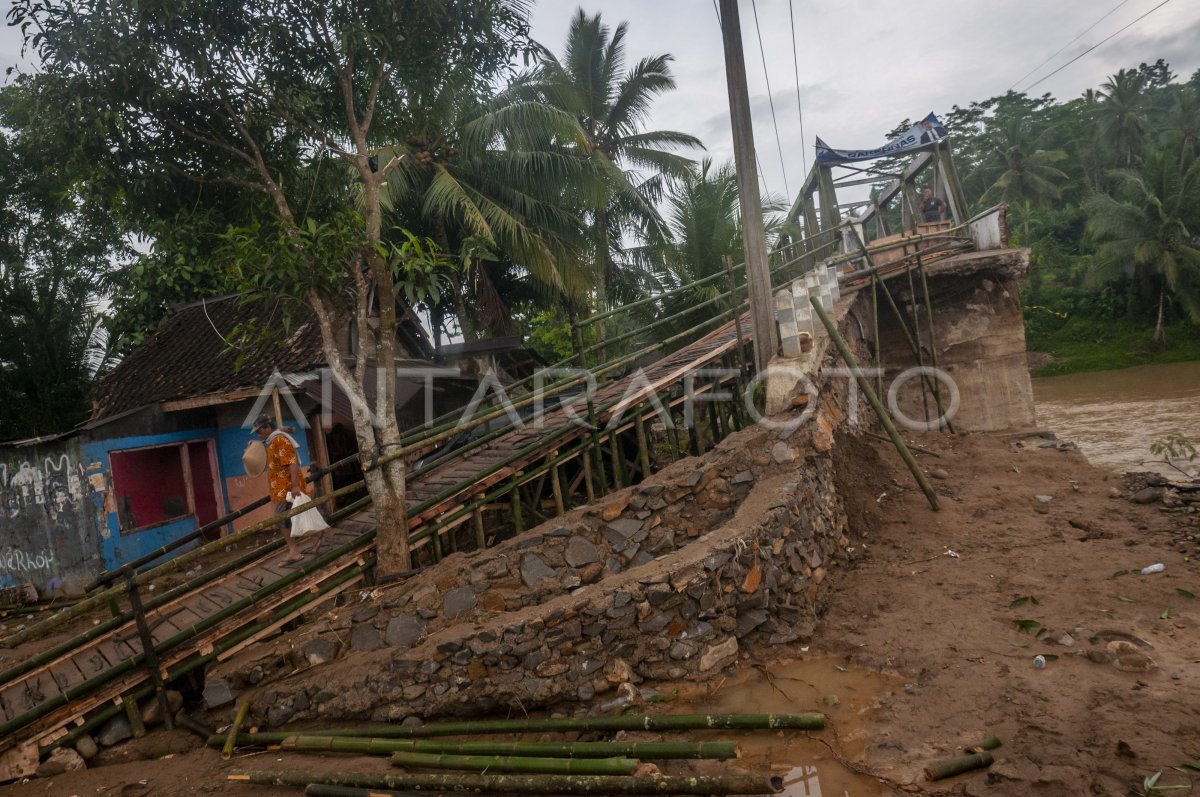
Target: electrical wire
799 106
1094 46
1068 44
778 140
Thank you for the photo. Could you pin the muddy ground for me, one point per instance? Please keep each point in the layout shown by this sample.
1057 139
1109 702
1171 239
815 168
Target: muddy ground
919 651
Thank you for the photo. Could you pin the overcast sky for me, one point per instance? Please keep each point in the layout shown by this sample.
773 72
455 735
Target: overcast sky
864 65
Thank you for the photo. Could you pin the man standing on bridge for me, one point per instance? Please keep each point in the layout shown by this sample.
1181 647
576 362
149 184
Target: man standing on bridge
283 476
932 207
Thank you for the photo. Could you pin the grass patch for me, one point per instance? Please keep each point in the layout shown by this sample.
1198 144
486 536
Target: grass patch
1085 344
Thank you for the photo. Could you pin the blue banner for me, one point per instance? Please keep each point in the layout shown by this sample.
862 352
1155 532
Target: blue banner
919 136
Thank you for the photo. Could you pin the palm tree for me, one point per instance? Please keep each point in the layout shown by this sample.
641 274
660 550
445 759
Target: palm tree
1027 174
610 104
1144 235
1181 125
494 187
1122 121
703 227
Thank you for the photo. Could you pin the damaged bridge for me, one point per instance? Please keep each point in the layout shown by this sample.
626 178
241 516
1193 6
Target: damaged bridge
561 558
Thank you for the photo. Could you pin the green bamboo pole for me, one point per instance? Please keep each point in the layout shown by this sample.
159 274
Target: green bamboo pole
493 763
658 722
941 770
614 451
518 519
231 737
643 444
916 317
876 404
521 784
932 338
646 751
990 743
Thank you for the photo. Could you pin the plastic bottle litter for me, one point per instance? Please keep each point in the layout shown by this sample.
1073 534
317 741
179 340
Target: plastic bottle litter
1157 567
1039 662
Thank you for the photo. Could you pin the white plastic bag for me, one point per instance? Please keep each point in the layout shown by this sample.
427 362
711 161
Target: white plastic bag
306 522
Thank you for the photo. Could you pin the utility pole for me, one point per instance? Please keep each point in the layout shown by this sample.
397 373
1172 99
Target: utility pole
762 316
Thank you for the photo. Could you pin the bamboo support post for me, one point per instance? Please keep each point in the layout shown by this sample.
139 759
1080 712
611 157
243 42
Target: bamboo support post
129 705
647 751
547 766
912 446
231 737
480 536
518 518
614 450
643 445
932 336
520 784
990 743
941 770
149 654
560 506
875 332
916 318
876 404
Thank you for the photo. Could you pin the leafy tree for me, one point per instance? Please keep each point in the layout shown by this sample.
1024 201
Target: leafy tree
611 105
1181 125
56 248
297 107
1145 234
1029 176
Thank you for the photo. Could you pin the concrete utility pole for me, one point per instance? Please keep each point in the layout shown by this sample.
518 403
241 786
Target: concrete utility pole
762 316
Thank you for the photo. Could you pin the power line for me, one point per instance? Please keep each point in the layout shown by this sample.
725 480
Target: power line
778 140
1094 46
799 107
1068 44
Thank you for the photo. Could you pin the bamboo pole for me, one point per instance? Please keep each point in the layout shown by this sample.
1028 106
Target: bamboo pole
546 766
643 444
614 450
132 713
231 737
876 404
932 337
658 722
647 751
940 770
913 446
916 317
518 520
560 506
521 784
990 743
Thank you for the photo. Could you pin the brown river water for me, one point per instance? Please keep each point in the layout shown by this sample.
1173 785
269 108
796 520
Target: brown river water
1115 416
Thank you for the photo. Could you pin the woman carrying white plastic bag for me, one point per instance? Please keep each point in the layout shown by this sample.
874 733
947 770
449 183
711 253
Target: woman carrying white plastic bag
307 522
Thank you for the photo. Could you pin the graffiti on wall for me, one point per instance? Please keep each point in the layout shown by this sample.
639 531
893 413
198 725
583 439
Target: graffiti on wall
51 511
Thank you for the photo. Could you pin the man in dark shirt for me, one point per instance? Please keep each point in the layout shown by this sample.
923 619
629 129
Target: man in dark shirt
932 207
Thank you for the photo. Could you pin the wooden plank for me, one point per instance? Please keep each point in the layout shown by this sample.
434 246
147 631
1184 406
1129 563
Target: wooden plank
18 762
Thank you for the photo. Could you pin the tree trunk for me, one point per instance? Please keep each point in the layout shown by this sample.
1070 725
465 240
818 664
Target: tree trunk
1159 333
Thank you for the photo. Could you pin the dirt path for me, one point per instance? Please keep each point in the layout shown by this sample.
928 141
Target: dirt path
918 652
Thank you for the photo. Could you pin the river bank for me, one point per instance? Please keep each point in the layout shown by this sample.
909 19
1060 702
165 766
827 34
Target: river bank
1080 345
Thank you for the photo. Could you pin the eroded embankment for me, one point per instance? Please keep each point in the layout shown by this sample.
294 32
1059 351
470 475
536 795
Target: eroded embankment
668 579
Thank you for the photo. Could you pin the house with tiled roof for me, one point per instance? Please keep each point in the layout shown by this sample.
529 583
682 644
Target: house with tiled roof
162 454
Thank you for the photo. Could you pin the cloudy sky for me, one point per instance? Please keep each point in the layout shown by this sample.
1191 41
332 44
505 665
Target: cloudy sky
866 64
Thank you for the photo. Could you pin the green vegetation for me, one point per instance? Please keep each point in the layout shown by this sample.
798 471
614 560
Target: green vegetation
1105 190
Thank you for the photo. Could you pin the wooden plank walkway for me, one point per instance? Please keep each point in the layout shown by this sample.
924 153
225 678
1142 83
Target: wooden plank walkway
52 687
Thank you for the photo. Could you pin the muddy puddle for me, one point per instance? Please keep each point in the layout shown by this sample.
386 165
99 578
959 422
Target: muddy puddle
809 768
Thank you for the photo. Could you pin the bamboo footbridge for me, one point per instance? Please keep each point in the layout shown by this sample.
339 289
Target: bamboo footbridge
517 472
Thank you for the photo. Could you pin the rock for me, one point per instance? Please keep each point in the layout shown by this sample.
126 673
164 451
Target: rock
580 552
404 630
627 528
320 650
458 602
939 473
364 638
86 746
783 638
63 759
534 569
364 614
412 722
152 711
782 453
1146 495
1066 640
1113 492
618 671
719 654
613 509
279 714
114 731
217 693
744 477
749 621
591 573
1044 499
